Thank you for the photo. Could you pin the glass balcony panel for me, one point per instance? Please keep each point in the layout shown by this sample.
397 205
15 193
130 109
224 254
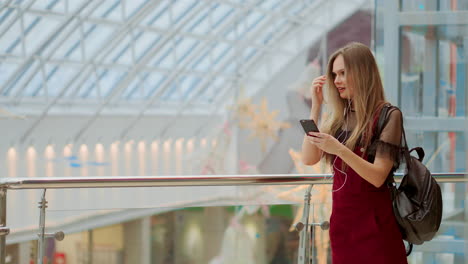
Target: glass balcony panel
249 224
172 225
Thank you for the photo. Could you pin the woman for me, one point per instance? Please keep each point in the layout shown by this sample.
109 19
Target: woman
363 228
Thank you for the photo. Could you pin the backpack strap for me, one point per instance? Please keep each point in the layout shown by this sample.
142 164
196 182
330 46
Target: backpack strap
387 109
419 151
382 121
409 249
406 151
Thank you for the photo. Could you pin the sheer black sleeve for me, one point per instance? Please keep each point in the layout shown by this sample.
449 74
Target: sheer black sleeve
388 144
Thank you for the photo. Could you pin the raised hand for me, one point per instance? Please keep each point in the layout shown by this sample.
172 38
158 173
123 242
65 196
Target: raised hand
316 90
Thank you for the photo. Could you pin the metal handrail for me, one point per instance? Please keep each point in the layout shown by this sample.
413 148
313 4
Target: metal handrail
171 181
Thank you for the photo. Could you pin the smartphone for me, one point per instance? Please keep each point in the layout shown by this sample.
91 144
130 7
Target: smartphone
309 126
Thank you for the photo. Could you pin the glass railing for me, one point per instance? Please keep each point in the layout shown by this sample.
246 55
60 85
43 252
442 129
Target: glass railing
190 219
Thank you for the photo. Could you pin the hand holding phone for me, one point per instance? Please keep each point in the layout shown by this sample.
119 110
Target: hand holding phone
309 126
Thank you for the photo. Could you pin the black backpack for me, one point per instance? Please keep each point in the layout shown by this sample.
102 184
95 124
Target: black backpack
417 202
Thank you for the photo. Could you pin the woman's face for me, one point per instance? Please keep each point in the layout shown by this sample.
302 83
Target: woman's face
339 75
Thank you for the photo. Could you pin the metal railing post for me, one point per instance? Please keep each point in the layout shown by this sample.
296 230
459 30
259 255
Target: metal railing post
304 245
90 247
41 240
306 231
3 229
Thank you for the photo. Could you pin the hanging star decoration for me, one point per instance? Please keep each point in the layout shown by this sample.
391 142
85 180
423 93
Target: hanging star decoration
243 109
264 124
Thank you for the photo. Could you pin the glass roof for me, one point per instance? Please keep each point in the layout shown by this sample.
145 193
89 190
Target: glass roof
182 52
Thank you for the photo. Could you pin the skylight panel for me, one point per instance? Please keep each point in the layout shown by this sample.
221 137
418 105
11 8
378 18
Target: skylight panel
134 89
160 10
70 47
185 47
73 5
144 41
270 4
58 76
249 53
77 86
143 85
238 1
109 80
238 30
110 9
201 23
188 85
90 88
10 41
171 93
153 83
37 30
231 33
160 19
219 51
53 5
165 57
7 17
221 14
21 79
62 38
231 67
18 2
181 8
272 32
35 87
6 69
252 20
122 53
203 62
133 6
214 88
96 37
296 9
181 88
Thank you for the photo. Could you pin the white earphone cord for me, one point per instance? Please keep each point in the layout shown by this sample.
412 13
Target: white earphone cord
346 135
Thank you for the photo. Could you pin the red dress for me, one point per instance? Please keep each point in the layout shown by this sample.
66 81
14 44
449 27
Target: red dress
363 228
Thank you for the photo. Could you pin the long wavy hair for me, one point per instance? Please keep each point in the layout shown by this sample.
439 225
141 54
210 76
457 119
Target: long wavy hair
362 74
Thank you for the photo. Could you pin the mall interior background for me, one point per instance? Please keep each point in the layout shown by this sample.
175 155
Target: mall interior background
210 87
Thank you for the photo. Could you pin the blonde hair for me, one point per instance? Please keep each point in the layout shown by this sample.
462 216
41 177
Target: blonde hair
362 74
